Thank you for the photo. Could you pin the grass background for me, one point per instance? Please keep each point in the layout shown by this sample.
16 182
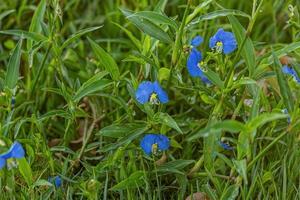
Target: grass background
73 75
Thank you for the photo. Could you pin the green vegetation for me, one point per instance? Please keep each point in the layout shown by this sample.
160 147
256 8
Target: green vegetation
69 72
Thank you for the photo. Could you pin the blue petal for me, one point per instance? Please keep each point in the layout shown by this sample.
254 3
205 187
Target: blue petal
2 162
17 150
6 155
196 41
162 95
287 70
212 42
147 142
216 38
229 46
225 146
144 91
192 63
163 142
57 181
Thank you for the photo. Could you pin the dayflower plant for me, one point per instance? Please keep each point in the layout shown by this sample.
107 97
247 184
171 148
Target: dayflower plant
16 151
194 61
152 143
151 92
223 41
292 72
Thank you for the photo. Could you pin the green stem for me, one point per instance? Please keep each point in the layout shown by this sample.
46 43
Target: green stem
177 49
265 150
41 68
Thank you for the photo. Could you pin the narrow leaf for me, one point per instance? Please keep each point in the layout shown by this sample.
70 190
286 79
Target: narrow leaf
136 179
148 27
248 51
77 35
285 90
106 60
94 84
13 67
36 20
220 13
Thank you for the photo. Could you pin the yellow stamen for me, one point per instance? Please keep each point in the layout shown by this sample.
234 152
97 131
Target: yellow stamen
219 44
154 148
154 99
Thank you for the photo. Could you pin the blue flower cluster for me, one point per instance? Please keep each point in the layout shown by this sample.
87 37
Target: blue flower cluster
221 42
152 92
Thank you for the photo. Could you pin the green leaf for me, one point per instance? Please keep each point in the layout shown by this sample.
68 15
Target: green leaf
262 119
227 125
24 34
214 78
94 84
174 166
125 140
55 113
156 17
106 60
230 193
166 119
220 13
241 168
163 74
248 51
25 170
287 48
135 41
147 27
136 179
41 182
283 85
13 67
77 35
35 26
120 130
6 13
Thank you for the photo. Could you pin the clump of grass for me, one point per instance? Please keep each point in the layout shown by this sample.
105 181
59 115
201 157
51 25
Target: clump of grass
115 100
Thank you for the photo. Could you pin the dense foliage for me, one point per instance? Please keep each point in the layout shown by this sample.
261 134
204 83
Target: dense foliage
149 99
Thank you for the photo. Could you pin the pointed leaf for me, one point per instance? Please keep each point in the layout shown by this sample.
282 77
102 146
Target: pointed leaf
13 67
106 60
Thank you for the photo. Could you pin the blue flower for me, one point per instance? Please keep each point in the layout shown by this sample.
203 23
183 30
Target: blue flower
225 146
56 181
151 92
194 65
292 72
153 142
16 151
196 41
223 41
